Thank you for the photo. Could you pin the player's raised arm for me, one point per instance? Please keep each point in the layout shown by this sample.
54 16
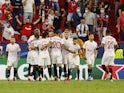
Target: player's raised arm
18 21
37 21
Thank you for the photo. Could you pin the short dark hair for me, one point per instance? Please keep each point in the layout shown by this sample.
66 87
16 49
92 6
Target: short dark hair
75 38
108 31
44 35
91 33
28 17
83 18
36 33
56 32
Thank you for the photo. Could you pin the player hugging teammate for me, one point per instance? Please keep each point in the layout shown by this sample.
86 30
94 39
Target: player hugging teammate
51 51
54 50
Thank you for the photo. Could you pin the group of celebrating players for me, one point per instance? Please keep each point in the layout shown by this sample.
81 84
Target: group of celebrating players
55 49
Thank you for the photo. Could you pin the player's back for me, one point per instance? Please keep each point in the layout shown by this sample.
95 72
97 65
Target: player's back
32 42
56 44
43 42
109 44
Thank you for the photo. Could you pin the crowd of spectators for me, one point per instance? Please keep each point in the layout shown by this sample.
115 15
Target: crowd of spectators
78 16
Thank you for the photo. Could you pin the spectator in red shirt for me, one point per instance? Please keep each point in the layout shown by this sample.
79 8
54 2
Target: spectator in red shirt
6 12
120 24
121 7
27 28
121 2
72 5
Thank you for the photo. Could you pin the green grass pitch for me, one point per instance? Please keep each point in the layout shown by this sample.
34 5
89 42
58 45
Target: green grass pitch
95 86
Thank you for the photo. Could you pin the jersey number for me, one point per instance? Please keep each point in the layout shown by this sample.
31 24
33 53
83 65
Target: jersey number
110 44
56 44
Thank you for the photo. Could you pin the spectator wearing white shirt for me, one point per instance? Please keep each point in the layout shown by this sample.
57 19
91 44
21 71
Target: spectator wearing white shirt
82 30
51 16
29 9
8 32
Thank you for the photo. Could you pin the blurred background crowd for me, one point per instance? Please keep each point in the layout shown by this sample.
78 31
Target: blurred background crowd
81 17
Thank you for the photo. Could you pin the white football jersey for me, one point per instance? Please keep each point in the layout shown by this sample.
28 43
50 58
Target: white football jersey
56 44
13 51
42 43
75 48
90 48
30 39
67 43
8 32
32 43
109 44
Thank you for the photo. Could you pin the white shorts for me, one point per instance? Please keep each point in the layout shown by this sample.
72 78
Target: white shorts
107 60
69 16
44 61
65 58
73 61
12 63
32 58
29 57
90 60
56 59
